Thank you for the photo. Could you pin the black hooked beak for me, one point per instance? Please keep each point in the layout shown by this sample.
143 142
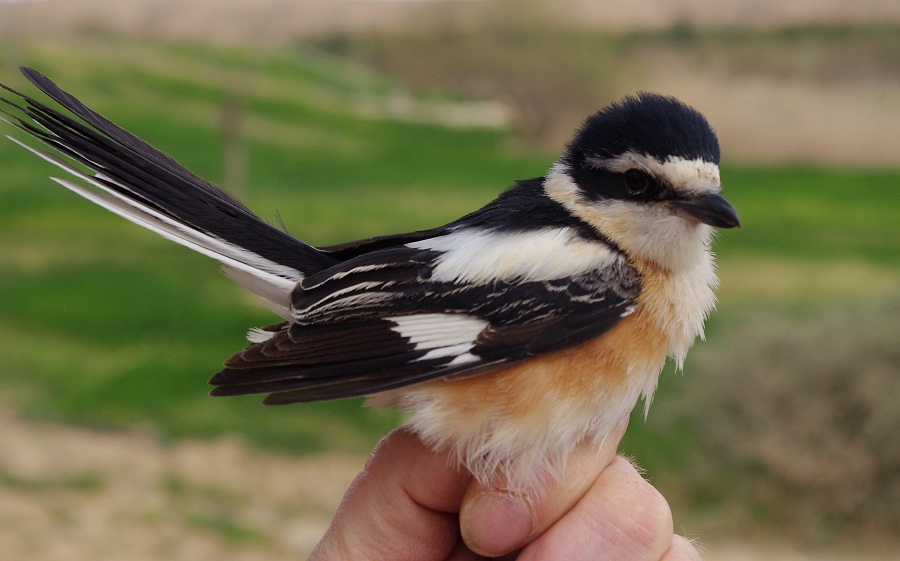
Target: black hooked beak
710 209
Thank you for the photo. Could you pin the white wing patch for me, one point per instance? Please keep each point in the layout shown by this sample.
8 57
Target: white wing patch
442 335
482 256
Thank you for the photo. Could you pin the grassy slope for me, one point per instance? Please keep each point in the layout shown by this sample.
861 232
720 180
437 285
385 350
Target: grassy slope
103 323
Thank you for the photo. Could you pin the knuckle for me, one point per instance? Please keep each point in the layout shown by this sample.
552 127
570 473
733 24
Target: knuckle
646 523
656 513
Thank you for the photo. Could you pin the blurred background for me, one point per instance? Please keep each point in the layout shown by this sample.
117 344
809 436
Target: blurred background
345 119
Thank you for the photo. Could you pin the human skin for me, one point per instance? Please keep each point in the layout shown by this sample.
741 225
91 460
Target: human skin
411 503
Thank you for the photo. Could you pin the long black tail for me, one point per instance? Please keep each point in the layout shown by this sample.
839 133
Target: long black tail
149 188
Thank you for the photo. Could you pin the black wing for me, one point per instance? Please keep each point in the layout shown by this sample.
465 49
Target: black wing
366 316
391 318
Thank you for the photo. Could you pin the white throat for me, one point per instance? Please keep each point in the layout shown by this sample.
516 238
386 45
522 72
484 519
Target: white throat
652 232
652 235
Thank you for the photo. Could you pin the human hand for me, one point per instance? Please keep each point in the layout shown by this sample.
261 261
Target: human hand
410 503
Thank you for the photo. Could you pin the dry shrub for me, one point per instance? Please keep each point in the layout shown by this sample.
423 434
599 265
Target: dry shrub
798 421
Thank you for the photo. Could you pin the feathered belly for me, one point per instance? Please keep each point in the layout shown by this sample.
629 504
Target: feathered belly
524 420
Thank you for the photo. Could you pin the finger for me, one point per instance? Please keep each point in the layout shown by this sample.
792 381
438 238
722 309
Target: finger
463 553
682 549
494 521
403 505
622 517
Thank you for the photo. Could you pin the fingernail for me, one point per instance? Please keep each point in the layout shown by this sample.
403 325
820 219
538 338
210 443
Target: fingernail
497 523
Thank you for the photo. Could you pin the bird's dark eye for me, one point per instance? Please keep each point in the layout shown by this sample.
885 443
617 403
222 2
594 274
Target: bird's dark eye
636 181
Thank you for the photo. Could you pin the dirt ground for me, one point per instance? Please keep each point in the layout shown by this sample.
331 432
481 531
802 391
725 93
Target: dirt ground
276 21
72 494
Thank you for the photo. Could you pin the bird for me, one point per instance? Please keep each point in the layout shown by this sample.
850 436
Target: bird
506 337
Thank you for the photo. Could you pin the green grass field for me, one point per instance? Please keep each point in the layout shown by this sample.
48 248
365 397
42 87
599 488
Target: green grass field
104 324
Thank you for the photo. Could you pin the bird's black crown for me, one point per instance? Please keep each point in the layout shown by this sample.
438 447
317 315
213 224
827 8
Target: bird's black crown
647 123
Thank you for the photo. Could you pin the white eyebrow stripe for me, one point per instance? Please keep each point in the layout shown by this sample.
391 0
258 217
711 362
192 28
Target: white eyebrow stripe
692 177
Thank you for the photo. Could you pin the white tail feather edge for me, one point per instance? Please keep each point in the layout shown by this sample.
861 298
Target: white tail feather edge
270 280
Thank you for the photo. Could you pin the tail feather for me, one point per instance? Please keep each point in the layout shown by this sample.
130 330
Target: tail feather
122 137
276 297
149 188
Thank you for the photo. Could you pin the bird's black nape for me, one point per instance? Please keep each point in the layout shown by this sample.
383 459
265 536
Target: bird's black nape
647 123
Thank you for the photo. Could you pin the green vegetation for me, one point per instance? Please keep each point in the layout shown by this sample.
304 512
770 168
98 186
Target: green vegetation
102 323
814 214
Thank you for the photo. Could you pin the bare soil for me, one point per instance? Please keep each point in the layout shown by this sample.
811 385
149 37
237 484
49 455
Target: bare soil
73 494
276 21
69 493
